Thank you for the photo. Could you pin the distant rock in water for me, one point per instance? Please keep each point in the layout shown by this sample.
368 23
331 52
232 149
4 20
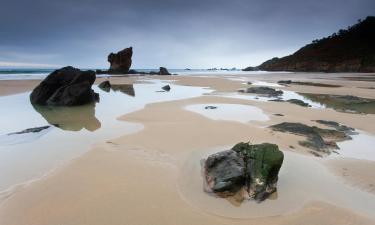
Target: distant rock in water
120 61
163 71
67 86
251 168
351 50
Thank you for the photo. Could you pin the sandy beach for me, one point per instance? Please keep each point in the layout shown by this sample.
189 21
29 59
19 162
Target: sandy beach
153 171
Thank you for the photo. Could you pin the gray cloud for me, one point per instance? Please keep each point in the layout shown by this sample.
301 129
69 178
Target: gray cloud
173 33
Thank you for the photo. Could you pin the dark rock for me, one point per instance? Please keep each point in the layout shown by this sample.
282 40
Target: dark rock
338 126
166 88
253 168
210 107
163 71
31 130
270 92
249 83
65 87
278 114
105 86
323 140
299 102
308 83
124 88
120 61
344 103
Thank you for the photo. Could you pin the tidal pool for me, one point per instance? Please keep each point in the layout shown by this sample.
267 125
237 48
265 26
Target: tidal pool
28 156
230 112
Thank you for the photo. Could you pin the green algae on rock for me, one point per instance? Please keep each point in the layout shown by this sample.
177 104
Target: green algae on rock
251 168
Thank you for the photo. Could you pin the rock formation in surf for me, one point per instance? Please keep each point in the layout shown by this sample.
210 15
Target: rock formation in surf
120 61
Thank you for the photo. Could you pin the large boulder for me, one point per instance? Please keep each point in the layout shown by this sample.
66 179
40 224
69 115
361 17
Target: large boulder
67 86
265 91
120 61
252 168
163 71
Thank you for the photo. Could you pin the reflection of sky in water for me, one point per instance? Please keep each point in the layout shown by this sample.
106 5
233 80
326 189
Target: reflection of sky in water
232 112
361 147
32 155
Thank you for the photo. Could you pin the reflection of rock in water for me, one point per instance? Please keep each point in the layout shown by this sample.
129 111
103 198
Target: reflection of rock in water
124 88
71 118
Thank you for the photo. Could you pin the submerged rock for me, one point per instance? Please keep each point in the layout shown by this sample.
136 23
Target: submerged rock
120 61
270 92
319 139
210 107
166 88
253 168
67 86
31 130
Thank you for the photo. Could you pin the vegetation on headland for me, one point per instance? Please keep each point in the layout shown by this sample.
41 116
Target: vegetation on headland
348 50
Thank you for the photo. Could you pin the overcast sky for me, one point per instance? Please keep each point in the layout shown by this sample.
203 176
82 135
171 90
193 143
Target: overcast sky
171 33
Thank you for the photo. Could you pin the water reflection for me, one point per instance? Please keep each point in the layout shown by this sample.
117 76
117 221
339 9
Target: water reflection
127 89
70 118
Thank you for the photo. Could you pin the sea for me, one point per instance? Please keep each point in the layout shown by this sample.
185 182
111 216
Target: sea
39 74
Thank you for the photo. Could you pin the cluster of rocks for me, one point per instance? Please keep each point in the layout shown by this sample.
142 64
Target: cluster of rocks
245 168
66 87
318 139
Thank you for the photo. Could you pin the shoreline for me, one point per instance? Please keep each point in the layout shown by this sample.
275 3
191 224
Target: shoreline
167 147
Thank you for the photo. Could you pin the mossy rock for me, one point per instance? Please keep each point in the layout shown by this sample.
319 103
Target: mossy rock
252 167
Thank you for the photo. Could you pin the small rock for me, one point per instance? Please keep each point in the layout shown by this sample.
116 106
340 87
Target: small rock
166 88
210 107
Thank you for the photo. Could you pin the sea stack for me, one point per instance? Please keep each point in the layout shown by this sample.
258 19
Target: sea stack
120 61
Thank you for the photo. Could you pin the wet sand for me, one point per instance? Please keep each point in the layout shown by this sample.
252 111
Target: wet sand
141 178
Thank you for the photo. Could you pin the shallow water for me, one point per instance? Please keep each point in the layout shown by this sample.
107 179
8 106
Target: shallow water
24 157
302 179
362 146
230 112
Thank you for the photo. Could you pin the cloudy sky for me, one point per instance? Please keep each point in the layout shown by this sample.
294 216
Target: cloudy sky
171 33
